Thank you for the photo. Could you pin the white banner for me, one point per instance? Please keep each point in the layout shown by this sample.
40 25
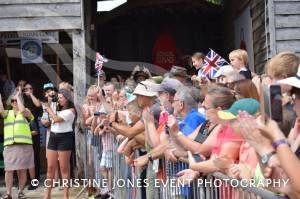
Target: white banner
13 38
32 51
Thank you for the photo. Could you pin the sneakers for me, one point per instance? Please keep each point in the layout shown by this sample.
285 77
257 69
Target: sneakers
30 187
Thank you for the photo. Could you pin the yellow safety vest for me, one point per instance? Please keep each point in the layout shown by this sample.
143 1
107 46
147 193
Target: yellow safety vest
16 129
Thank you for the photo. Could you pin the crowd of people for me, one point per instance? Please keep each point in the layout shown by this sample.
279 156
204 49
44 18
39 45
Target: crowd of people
205 125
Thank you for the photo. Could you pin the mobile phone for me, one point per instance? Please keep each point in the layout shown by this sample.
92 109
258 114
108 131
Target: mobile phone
116 116
272 102
163 119
103 92
99 113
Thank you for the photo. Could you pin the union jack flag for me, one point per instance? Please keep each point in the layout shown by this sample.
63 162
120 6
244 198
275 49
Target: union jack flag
99 61
211 64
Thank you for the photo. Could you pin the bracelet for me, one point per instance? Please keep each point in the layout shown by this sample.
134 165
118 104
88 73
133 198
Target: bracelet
277 143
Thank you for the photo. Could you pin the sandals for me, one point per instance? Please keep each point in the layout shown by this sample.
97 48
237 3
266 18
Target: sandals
6 196
21 196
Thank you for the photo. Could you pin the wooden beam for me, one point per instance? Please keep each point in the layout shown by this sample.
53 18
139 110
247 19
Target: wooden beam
40 10
79 85
272 32
6 2
7 67
79 66
57 70
40 23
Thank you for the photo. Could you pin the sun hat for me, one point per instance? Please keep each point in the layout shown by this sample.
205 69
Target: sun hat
145 88
249 105
292 81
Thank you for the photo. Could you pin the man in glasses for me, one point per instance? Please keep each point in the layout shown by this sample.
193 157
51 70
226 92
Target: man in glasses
34 105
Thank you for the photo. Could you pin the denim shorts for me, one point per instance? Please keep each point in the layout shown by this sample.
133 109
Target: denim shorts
61 141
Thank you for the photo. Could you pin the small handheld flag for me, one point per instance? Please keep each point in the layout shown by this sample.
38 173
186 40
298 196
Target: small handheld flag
99 61
99 64
212 63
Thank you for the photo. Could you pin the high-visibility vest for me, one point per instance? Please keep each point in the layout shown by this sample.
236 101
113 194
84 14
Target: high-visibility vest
16 129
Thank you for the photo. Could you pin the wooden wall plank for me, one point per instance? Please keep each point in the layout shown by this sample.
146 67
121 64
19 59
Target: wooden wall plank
259 33
258 10
287 34
259 46
287 8
40 23
7 2
37 10
285 0
292 21
259 21
292 45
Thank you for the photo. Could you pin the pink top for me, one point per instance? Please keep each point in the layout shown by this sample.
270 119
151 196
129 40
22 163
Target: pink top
226 134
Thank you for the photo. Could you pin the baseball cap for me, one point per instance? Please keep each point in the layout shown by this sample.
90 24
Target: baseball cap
170 85
48 86
249 105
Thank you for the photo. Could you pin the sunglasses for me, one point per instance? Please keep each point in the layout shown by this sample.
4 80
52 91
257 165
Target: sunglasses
13 100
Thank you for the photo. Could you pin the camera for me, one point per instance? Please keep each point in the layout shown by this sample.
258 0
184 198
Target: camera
54 98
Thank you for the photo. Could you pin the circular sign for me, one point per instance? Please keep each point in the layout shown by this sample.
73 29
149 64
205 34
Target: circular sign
31 50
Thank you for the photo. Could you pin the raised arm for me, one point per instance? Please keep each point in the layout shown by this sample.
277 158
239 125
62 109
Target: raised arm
2 111
150 130
129 131
35 101
21 106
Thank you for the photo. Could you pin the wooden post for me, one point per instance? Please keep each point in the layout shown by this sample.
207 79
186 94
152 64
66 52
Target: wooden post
7 67
79 83
57 70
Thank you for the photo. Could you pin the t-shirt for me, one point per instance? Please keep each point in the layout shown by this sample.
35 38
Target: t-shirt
226 134
36 111
191 121
67 125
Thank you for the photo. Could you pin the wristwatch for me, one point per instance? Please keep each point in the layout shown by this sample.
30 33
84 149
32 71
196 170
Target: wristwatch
150 157
266 157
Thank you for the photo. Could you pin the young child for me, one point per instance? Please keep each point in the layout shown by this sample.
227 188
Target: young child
239 59
197 61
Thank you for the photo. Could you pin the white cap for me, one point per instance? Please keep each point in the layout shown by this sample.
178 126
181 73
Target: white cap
145 88
292 81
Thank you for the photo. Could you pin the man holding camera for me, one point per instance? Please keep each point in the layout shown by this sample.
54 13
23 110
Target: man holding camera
49 96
